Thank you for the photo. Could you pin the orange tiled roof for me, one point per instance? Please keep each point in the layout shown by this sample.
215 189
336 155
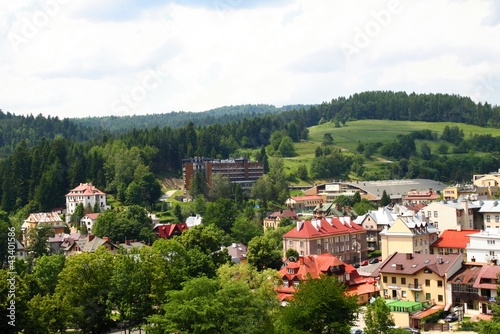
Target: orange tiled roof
454 239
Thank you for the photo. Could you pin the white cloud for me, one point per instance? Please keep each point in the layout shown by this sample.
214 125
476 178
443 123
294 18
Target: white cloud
74 59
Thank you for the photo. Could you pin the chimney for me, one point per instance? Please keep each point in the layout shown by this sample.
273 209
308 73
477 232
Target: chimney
409 256
117 243
299 224
127 242
105 238
301 260
90 237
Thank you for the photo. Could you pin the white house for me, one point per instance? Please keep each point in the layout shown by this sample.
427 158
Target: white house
193 221
484 246
88 220
86 194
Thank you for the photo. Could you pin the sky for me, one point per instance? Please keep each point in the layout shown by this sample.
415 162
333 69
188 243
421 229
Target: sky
76 58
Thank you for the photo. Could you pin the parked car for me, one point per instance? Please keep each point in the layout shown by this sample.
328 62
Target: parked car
364 263
356 330
356 265
412 330
374 260
451 317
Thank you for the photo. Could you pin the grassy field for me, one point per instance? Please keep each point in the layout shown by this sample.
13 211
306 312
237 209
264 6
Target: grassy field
349 136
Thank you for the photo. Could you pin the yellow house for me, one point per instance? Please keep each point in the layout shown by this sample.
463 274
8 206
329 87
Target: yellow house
490 181
417 278
407 235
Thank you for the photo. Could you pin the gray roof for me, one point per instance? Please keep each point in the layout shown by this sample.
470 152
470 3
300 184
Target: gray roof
397 187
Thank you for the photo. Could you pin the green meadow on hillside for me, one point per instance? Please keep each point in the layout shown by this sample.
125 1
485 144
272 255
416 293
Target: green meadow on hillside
348 138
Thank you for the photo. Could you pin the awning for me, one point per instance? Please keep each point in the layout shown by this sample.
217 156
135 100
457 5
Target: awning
447 307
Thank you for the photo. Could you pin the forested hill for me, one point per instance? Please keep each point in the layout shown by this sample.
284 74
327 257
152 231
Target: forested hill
410 107
220 115
31 130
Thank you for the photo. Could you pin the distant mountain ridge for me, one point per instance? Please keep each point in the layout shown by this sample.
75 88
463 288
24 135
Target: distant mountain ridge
178 119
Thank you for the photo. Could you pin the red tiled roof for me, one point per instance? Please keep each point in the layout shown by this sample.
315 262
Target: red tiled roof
410 264
315 266
92 216
454 239
324 227
488 273
168 230
85 189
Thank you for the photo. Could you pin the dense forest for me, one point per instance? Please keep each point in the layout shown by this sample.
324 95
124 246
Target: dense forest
49 156
176 119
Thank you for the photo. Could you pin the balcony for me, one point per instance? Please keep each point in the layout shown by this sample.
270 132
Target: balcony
415 287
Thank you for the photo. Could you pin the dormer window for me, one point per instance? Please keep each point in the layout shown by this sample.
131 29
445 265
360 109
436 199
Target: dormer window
290 271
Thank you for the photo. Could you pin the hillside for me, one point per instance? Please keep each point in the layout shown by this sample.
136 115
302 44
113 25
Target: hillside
175 119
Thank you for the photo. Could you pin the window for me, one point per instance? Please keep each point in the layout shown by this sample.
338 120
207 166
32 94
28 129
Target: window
296 284
336 239
403 280
403 294
435 214
428 213
319 243
393 279
336 249
302 244
488 218
491 242
290 243
440 284
428 296
285 283
342 238
427 283
440 298
384 279
302 253
497 218
341 248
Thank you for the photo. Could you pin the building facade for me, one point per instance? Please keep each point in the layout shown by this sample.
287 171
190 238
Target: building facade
338 236
239 170
484 246
87 195
408 235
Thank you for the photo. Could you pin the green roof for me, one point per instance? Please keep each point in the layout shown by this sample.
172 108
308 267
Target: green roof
404 306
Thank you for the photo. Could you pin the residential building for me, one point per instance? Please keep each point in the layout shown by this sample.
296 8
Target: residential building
295 271
474 287
89 244
59 242
169 230
47 218
460 214
274 219
88 221
334 210
489 214
487 285
193 221
452 242
374 222
238 252
21 252
417 278
240 170
491 181
468 191
408 235
86 194
415 196
484 246
336 235
305 203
